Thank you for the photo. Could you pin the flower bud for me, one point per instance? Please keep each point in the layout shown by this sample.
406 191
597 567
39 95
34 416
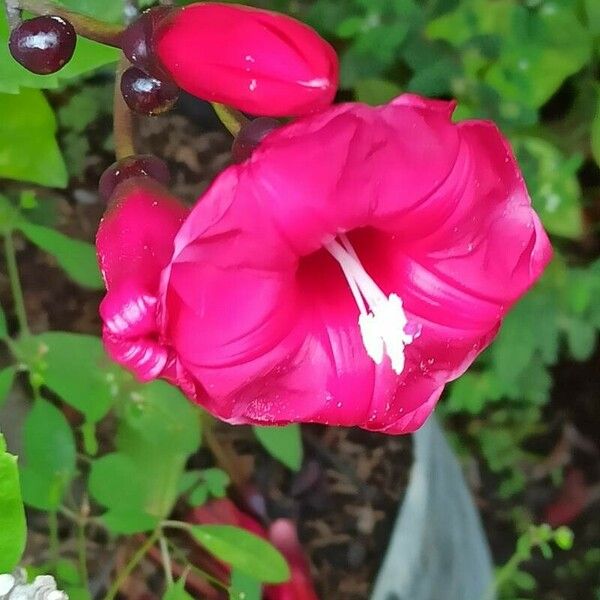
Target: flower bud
257 61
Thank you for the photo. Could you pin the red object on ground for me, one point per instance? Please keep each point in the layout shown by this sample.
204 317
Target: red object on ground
571 501
282 534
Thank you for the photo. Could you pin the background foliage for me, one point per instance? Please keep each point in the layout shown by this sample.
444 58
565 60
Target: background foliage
532 66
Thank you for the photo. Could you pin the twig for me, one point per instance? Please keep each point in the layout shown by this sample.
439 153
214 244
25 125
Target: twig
15 283
93 29
122 117
192 580
53 543
82 542
201 572
131 565
166 559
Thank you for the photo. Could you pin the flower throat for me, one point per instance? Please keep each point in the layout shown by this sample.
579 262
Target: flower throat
382 319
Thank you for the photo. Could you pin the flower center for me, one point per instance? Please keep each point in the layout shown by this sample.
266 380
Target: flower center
382 319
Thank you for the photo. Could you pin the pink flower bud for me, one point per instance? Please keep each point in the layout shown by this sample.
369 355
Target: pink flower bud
257 61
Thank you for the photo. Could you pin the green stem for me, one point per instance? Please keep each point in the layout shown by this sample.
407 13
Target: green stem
503 574
122 117
226 459
180 555
93 29
15 283
53 538
231 118
131 565
176 525
82 553
166 559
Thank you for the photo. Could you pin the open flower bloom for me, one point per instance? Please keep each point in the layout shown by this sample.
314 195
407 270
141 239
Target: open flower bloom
356 263
258 61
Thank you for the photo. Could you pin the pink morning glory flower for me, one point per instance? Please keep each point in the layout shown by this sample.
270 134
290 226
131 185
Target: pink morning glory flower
358 261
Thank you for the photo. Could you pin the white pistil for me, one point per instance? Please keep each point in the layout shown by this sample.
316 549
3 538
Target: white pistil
381 318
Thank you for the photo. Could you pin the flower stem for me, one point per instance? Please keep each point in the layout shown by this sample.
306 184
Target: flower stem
203 574
132 564
15 283
226 459
53 538
231 118
122 117
166 559
93 29
171 524
82 546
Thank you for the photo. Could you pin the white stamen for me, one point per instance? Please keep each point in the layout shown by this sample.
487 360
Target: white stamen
382 319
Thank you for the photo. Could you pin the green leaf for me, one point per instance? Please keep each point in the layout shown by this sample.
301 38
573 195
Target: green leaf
243 551
595 132
516 345
117 482
6 379
553 185
139 484
76 368
563 538
217 481
88 435
3 325
77 258
188 480
283 443
110 11
374 31
67 572
470 19
13 528
159 414
88 57
49 449
375 91
592 10
199 495
244 587
68 578
581 337
176 591
28 148
202 483
471 392
541 49
524 581
74 117
9 215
